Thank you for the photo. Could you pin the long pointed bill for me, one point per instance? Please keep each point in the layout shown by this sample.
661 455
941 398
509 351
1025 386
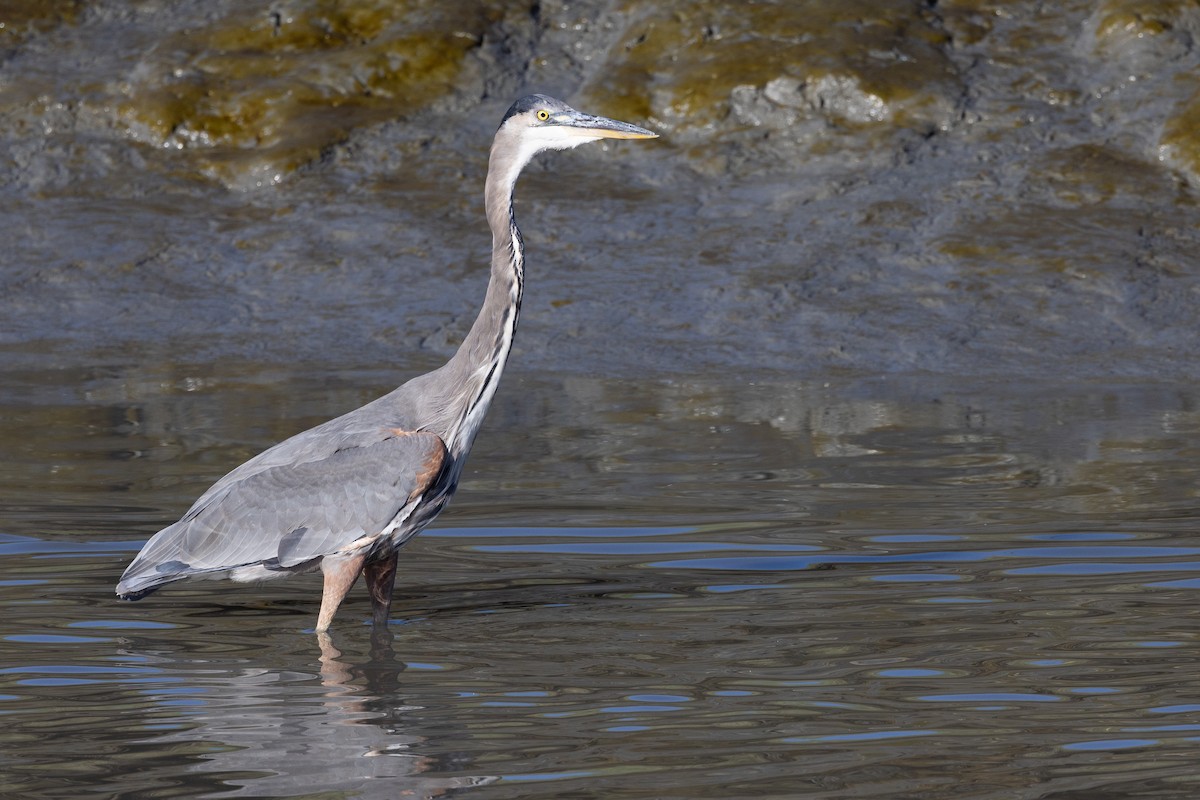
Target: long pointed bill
605 128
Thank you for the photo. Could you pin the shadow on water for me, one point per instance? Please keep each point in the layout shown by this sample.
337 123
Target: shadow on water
856 589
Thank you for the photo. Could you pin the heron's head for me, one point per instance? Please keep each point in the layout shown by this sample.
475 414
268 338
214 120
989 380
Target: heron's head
537 122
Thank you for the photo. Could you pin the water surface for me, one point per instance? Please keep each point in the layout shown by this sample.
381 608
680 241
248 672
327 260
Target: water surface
683 588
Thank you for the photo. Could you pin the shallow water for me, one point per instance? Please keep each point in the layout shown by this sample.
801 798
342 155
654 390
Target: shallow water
856 589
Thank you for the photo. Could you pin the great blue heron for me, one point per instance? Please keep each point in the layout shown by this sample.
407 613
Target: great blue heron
344 496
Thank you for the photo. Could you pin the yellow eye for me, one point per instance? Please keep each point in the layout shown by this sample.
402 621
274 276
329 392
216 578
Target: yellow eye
543 115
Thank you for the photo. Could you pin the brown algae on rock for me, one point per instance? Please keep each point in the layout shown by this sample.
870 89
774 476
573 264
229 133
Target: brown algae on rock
258 94
1180 142
770 64
18 20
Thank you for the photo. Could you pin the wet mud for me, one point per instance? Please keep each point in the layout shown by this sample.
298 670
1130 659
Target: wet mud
954 188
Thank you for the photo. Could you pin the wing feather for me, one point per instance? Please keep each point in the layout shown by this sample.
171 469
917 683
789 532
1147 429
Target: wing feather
284 515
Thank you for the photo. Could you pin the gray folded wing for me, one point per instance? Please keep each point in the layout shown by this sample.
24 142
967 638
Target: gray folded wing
288 514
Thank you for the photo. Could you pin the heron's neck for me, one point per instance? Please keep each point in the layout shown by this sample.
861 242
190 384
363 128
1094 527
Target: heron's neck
480 359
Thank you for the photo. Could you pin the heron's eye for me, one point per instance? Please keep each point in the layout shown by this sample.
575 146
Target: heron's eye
543 115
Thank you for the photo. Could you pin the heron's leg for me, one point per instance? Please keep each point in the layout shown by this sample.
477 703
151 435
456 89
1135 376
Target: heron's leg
381 579
340 574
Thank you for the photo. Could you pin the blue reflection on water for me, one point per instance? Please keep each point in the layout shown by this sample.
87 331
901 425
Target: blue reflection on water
869 736
1111 744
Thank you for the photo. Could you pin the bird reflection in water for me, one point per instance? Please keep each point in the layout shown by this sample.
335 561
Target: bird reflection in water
286 732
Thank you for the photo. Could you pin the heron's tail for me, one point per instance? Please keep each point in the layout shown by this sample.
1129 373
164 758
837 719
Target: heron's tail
141 579
158 563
